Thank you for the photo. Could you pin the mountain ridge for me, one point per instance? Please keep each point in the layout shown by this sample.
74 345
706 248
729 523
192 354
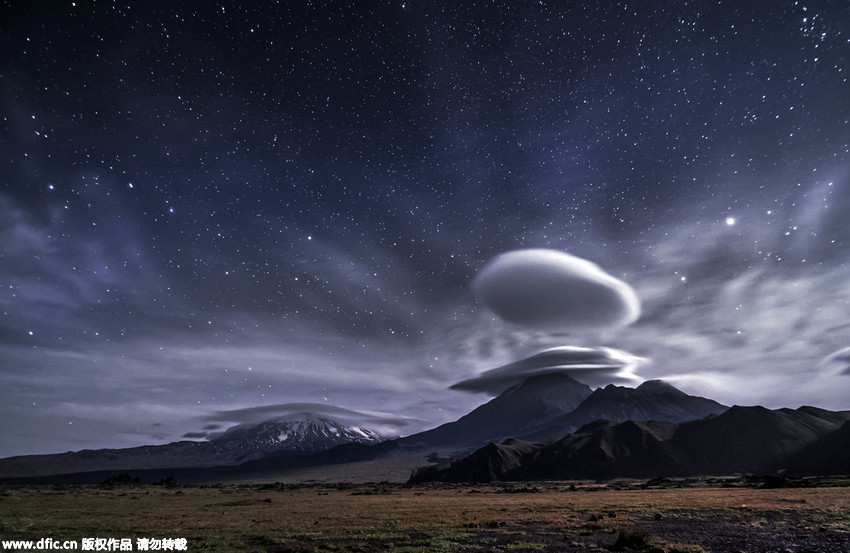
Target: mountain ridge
532 402
741 440
652 400
298 435
548 426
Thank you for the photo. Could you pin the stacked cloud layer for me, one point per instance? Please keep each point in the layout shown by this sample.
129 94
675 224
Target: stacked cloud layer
554 291
593 366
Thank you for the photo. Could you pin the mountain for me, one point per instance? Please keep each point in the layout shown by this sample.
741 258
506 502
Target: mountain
548 427
527 405
753 439
600 450
829 455
741 440
299 435
491 463
605 449
653 400
551 406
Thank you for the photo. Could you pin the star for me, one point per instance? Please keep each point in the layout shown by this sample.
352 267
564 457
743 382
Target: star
211 178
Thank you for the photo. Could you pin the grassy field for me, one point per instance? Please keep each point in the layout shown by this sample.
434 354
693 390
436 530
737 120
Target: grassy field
397 518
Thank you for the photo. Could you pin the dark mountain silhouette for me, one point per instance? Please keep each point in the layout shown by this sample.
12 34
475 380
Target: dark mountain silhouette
653 400
528 405
532 402
741 440
753 439
605 449
829 455
493 462
298 435
600 450
652 430
269 466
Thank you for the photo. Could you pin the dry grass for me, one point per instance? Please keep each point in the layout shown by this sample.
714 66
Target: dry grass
401 519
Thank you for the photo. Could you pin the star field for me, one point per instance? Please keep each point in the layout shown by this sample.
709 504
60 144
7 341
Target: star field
213 208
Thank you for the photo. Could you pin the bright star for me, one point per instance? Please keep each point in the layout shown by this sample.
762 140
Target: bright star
730 221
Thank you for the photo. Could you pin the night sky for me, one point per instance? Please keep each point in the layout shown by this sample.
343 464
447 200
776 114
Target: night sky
215 212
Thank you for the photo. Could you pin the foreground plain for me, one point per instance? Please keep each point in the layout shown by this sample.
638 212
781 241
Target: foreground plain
713 516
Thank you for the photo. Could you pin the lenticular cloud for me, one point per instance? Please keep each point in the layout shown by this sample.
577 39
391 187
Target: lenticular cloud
592 366
553 290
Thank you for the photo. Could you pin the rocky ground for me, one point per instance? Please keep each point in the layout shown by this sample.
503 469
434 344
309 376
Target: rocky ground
687 516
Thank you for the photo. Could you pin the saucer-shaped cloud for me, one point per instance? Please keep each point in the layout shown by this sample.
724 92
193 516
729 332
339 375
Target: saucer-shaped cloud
384 424
553 290
592 366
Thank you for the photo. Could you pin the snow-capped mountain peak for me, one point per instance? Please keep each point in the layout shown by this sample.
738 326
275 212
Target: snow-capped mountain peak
303 434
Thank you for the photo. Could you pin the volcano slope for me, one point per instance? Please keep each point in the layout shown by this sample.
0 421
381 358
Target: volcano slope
741 440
